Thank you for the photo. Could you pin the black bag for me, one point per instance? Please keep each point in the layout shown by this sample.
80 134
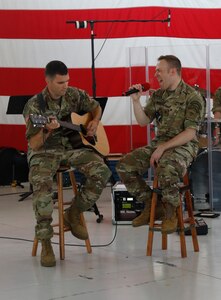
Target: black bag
13 166
201 228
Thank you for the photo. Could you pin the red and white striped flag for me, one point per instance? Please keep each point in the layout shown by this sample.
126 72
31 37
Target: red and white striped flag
33 32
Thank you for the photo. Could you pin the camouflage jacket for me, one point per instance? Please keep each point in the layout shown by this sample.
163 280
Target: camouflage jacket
75 100
217 101
175 111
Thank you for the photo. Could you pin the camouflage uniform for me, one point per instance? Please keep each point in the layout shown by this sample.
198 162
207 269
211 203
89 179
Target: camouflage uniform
174 112
57 150
217 101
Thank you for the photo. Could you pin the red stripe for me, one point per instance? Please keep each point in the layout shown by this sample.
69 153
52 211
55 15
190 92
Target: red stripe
51 24
118 136
18 81
111 82
13 136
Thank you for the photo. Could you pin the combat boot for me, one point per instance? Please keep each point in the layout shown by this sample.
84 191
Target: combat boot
159 211
47 254
144 217
72 220
170 220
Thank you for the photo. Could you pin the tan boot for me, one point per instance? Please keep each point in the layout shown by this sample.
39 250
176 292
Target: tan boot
47 254
72 220
144 217
160 213
170 220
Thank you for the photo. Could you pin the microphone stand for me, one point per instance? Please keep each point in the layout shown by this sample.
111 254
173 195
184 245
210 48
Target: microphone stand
93 60
83 24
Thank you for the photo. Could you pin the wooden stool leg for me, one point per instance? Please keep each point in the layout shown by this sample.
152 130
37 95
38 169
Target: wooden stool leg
87 242
83 223
73 182
181 229
152 219
164 241
189 207
34 247
61 214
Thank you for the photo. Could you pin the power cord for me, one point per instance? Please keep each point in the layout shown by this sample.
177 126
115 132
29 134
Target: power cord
55 243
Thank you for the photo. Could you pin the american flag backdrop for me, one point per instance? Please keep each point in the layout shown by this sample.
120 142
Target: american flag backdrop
33 32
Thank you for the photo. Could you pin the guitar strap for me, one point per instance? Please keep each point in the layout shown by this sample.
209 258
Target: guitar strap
42 103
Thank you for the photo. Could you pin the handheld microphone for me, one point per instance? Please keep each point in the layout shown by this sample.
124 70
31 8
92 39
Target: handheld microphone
169 18
145 87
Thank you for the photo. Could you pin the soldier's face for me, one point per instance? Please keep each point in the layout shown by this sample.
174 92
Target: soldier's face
164 75
57 85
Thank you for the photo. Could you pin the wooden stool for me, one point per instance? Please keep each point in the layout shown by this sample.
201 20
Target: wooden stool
153 226
60 206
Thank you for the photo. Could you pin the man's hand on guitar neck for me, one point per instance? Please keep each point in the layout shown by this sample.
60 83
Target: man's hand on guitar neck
37 141
53 124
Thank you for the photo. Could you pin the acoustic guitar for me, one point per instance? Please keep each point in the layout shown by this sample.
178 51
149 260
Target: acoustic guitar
98 142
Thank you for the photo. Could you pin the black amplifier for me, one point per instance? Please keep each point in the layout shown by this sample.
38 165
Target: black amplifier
124 206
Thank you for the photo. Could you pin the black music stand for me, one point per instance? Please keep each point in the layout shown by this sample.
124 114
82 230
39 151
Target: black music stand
26 194
15 107
16 104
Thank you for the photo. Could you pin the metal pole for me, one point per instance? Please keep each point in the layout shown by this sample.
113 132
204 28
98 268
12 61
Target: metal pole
210 158
92 60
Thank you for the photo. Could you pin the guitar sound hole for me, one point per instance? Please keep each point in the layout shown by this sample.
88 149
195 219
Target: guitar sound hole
91 140
83 130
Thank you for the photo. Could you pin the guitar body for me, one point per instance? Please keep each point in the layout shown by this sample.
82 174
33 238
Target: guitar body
79 138
98 142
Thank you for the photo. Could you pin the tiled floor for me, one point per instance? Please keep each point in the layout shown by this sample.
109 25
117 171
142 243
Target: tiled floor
118 270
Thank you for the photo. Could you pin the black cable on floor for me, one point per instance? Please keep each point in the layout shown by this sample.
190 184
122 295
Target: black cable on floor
55 243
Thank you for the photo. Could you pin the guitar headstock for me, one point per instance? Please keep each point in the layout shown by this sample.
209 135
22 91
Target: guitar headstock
38 120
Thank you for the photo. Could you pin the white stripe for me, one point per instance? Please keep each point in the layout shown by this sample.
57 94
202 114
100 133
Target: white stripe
117 112
36 53
8 119
90 4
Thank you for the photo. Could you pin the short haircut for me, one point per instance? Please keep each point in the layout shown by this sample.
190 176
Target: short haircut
172 61
55 67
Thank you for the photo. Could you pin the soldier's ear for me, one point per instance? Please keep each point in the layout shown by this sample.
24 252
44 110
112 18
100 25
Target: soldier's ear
173 71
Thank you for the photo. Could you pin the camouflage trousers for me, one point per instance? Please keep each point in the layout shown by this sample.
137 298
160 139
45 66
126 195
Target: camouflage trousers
171 167
43 167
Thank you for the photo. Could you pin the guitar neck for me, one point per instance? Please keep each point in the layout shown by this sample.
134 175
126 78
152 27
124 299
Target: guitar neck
70 126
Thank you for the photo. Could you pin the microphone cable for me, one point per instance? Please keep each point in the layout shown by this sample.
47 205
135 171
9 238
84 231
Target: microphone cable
66 244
